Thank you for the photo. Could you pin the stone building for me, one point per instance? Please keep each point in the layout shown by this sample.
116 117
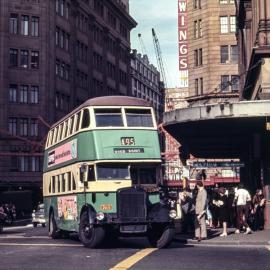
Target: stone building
146 83
54 54
212 51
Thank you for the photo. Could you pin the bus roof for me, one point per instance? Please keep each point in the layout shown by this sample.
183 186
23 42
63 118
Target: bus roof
108 101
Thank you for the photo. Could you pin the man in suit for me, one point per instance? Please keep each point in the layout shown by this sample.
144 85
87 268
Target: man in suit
200 211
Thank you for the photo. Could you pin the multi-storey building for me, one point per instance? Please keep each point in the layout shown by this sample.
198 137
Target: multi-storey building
54 54
212 51
146 83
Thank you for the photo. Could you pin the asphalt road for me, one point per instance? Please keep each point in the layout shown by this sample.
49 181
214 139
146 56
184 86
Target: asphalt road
30 248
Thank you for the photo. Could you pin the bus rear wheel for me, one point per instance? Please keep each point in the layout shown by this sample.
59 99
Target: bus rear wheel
160 235
53 232
89 235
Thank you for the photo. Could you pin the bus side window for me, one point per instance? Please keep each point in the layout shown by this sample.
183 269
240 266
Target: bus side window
60 132
50 186
58 184
69 180
63 182
85 119
55 135
73 183
78 118
53 184
71 125
66 129
91 174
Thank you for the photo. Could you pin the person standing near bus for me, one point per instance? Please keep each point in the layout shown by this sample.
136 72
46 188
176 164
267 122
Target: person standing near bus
200 211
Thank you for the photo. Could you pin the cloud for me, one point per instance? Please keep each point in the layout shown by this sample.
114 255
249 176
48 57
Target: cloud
162 16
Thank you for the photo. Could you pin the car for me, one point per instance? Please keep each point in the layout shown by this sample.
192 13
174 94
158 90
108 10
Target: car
38 216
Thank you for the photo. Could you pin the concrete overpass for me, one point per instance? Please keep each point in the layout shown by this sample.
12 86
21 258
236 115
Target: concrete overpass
227 130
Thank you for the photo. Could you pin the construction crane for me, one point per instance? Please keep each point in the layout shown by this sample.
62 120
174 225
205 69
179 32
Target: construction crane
142 44
159 57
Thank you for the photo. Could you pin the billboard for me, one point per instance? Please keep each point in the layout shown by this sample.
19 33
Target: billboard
183 42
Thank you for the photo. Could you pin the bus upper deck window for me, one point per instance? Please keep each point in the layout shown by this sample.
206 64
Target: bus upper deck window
85 119
71 125
78 118
139 118
108 118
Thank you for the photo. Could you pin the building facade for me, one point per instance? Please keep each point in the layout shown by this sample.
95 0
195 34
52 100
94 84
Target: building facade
146 83
254 40
54 55
212 51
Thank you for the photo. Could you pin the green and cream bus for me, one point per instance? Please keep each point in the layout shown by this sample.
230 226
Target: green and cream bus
102 169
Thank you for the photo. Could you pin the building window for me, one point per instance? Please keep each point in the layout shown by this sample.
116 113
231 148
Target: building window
196 60
13 57
224 28
13 24
23 163
34 94
225 83
12 125
195 29
201 86
227 24
23 93
62 7
25 25
232 24
57 35
200 57
196 87
13 93
57 6
23 126
234 54
34 164
35 27
34 59
224 2
235 83
33 127
197 4
24 59
224 54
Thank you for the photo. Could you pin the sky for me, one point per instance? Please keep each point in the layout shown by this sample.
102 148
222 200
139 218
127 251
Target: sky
162 16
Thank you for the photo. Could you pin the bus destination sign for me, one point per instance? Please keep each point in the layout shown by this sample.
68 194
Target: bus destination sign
123 150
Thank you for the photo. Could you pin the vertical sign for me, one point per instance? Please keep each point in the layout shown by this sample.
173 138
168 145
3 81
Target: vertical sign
183 42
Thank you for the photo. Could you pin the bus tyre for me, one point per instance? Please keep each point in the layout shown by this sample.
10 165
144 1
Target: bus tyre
160 235
90 236
1 227
34 224
53 233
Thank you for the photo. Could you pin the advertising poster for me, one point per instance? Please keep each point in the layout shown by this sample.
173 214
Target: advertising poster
67 207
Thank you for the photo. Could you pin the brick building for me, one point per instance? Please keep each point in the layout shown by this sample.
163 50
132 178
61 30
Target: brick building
146 83
212 51
54 54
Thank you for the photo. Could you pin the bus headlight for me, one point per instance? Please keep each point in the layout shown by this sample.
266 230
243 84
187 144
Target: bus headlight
100 216
172 214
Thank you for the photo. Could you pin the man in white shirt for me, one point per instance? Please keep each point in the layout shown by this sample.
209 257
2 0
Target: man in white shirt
242 200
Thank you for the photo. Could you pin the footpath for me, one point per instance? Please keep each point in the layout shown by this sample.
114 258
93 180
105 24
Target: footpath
257 238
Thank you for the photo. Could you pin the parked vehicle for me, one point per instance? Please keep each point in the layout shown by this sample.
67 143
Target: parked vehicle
38 216
2 221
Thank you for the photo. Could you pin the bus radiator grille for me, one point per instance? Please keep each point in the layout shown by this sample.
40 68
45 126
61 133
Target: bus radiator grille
132 205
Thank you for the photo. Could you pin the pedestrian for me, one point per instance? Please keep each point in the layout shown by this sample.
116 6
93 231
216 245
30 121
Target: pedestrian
188 210
214 208
242 202
222 204
258 204
200 211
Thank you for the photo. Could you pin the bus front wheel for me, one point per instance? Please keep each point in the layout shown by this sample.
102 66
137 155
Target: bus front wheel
160 235
89 235
53 232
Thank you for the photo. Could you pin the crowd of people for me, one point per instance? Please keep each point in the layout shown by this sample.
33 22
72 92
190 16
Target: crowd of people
8 212
221 207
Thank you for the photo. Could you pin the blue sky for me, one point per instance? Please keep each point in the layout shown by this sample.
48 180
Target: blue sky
162 16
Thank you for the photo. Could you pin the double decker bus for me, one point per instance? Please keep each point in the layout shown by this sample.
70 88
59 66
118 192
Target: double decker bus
102 169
